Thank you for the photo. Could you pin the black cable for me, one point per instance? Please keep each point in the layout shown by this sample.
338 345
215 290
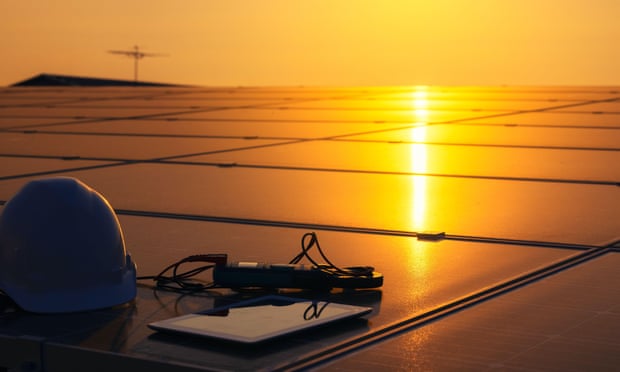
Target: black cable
181 281
330 268
185 281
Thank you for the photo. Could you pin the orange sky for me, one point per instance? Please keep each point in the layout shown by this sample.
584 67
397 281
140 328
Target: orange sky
317 42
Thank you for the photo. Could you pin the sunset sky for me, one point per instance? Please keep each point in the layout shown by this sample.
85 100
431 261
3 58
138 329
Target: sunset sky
317 42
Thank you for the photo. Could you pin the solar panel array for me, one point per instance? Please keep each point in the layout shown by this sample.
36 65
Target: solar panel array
491 211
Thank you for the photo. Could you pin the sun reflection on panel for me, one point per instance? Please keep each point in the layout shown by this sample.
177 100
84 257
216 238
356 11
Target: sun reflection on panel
420 104
419 159
419 258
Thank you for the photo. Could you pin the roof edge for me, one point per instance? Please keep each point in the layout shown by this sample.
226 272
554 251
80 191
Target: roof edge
46 79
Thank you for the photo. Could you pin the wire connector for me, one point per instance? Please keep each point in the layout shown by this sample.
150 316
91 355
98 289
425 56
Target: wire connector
431 236
216 258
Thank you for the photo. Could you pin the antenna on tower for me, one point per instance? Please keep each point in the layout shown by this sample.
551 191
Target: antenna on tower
137 55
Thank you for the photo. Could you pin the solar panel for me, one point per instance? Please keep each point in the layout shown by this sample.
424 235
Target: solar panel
524 182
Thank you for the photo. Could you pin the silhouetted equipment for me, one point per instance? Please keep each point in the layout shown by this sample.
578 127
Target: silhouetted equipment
136 54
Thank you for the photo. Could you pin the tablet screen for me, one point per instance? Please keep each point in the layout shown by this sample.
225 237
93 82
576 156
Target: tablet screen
260 319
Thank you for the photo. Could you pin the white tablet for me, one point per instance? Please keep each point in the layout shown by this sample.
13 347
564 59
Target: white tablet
260 319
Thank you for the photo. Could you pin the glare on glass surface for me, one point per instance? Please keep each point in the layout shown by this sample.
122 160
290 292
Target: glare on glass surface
419 158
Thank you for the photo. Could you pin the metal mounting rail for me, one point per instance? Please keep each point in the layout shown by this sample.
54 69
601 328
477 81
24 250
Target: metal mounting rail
350 229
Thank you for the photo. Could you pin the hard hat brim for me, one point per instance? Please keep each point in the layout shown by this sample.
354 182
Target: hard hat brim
66 301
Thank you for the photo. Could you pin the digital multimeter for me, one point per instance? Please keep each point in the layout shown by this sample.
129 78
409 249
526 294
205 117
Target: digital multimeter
256 274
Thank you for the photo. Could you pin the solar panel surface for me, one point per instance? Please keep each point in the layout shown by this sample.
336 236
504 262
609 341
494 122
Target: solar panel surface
524 181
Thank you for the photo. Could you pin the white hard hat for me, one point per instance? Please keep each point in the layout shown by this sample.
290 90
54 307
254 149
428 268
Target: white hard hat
62 249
